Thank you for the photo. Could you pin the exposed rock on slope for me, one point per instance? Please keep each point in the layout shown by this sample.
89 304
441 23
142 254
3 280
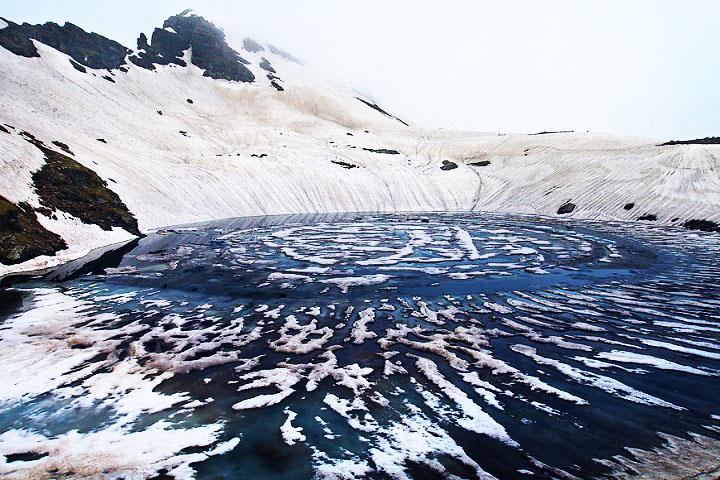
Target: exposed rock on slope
696 141
704 225
566 208
22 237
448 165
89 49
63 184
374 106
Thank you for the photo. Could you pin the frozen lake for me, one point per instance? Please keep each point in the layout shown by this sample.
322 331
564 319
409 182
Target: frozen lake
386 346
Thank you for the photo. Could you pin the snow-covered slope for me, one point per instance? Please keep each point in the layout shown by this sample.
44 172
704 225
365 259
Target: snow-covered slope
179 146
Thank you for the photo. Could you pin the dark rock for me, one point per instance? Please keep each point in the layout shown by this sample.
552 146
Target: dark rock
62 147
262 155
142 42
44 211
101 140
88 49
183 133
629 206
696 141
377 108
344 164
77 66
189 100
66 185
704 225
551 132
566 208
265 65
481 163
648 217
108 78
157 345
210 51
448 165
4 130
162 474
24 457
277 86
386 151
22 237
348 133
252 46
159 112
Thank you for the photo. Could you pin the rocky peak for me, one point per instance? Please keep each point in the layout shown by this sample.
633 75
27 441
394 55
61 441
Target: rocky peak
210 51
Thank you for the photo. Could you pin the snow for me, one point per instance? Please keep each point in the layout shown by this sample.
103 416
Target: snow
632 357
523 251
465 240
298 339
418 439
292 253
123 453
678 348
414 438
287 276
3 24
343 283
282 378
609 385
291 434
39 359
360 331
475 419
587 327
168 179
345 469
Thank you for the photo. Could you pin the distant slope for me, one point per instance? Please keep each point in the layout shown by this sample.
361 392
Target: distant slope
187 128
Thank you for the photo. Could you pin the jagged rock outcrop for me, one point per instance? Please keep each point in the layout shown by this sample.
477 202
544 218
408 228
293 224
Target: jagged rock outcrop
210 51
167 46
88 49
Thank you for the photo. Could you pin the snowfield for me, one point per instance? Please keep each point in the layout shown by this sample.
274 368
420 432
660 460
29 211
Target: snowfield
242 149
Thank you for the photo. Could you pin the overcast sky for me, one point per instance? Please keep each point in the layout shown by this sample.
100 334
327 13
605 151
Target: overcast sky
638 67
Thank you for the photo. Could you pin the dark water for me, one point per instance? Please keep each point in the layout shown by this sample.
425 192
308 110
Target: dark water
389 346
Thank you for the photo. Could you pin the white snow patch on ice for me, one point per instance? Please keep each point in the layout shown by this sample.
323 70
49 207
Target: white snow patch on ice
290 433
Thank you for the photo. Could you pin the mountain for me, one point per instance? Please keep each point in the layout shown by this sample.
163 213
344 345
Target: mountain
100 142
